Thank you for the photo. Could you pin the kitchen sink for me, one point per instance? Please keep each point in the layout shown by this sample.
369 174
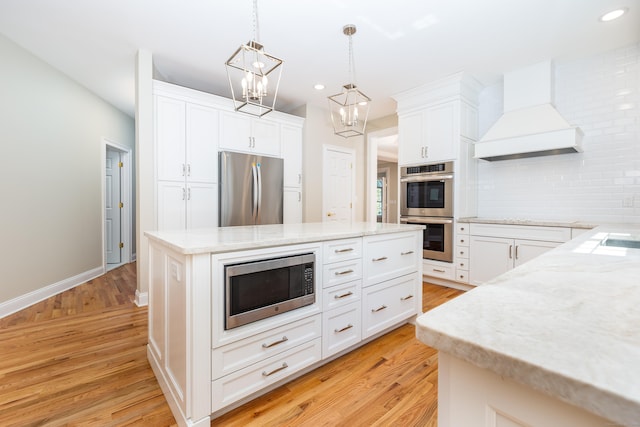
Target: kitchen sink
621 241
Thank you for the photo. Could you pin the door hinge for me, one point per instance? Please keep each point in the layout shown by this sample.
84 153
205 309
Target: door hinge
121 245
120 164
121 205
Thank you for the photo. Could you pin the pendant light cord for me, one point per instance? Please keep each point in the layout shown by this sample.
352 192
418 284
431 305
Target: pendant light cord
256 28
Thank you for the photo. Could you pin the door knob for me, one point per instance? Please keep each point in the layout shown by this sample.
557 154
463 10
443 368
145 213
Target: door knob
331 213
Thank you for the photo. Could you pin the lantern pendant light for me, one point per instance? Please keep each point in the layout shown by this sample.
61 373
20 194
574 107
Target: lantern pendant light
349 108
254 75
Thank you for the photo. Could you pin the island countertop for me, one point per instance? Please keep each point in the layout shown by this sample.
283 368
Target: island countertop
229 239
566 323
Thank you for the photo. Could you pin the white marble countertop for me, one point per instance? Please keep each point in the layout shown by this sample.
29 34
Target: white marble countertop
566 323
523 221
229 239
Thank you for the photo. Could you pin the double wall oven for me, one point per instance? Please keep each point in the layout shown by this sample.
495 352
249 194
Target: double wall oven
426 197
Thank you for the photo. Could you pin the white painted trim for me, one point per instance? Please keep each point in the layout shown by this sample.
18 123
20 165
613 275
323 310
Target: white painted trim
142 298
26 300
372 171
127 186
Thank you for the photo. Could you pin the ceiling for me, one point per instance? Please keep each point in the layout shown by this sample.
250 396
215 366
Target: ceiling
399 44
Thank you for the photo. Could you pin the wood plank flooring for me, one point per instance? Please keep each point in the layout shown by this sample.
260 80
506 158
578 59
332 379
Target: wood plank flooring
79 358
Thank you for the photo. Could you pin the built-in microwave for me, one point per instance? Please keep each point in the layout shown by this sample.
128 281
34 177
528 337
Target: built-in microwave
427 190
260 289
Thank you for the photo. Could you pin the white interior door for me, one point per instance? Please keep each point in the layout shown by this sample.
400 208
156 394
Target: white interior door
338 184
113 207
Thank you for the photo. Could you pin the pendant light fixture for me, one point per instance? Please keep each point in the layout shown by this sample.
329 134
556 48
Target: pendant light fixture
350 108
254 75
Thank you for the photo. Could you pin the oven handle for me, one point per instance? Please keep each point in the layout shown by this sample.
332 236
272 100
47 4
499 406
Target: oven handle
425 178
424 220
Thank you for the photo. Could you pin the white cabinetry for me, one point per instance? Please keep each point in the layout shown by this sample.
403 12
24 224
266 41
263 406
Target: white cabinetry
428 135
292 155
187 145
496 248
239 132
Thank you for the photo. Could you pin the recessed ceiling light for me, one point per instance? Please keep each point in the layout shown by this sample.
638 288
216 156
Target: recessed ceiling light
318 86
614 14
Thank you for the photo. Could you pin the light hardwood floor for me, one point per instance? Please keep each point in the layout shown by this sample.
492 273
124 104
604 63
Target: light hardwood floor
79 358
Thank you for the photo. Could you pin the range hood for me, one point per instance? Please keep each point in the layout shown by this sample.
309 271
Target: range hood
530 126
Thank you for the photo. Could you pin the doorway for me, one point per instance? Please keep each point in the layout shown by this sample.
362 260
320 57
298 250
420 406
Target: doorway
382 159
117 205
338 184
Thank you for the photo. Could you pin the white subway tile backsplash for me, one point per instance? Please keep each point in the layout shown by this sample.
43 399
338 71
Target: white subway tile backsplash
601 95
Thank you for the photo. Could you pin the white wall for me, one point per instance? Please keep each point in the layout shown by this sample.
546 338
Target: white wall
601 95
51 130
318 132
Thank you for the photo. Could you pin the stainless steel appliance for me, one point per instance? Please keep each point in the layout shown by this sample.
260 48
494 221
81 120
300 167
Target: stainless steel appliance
437 242
260 289
427 190
250 189
426 197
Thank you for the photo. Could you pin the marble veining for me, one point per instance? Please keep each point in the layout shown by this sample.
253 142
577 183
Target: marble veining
227 239
566 323
524 221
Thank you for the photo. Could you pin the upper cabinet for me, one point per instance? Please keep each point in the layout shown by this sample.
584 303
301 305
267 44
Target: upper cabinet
434 119
240 132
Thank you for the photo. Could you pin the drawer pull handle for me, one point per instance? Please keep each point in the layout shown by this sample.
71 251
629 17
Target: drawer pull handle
341 251
375 310
348 294
461 252
266 374
437 270
275 343
406 253
349 326
406 298
461 240
342 273
382 258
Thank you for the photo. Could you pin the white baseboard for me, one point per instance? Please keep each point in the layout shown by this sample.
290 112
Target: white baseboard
24 301
142 298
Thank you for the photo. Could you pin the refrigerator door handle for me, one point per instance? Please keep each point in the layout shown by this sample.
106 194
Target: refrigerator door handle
259 208
254 192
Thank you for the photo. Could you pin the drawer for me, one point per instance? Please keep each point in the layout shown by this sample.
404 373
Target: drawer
462 275
340 250
240 354
341 328
462 264
462 252
242 383
443 270
389 256
341 272
462 228
388 303
339 295
462 240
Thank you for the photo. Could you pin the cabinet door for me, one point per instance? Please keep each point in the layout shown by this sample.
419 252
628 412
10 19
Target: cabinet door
235 131
202 144
170 138
490 257
171 205
440 131
292 155
266 137
410 138
526 250
292 206
202 204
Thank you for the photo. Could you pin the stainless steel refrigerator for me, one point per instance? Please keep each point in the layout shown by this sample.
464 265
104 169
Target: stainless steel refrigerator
250 189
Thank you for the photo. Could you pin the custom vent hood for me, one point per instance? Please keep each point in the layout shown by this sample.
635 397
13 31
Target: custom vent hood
530 125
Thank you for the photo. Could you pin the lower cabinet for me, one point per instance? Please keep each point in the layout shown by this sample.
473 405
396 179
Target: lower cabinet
388 303
496 249
341 328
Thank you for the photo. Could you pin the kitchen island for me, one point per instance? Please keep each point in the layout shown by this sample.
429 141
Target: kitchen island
367 279
553 342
